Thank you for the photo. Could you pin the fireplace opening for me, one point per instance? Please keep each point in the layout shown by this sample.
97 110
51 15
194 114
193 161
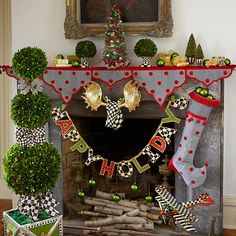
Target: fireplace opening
114 145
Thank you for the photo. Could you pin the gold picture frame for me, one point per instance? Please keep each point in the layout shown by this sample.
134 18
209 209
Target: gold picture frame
74 29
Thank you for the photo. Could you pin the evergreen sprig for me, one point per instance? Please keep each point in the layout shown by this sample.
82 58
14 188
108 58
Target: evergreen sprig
29 63
31 110
31 170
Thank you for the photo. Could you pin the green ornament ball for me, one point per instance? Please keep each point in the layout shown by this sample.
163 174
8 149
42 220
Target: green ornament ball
149 198
81 194
209 96
116 197
30 111
75 63
134 187
160 62
92 182
227 61
204 92
173 55
198 90
31 170
205 61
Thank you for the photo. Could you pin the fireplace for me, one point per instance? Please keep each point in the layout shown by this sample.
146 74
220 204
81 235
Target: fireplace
148 114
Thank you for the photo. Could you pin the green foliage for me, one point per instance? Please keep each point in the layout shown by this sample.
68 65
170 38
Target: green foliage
145 48
191 47
85 48
31 170
29 63
199 53
30 111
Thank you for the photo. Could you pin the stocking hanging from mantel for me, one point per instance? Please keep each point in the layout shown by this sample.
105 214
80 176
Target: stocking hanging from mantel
196 118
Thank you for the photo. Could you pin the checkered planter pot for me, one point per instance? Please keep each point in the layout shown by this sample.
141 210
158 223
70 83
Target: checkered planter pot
11 227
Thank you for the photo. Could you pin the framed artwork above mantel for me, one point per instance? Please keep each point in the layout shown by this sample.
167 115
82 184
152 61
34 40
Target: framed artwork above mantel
141 17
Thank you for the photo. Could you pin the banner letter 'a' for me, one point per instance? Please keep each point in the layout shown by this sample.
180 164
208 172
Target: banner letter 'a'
81 146
109 169
65 125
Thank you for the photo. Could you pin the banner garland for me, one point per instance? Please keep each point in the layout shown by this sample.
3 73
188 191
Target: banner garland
156 145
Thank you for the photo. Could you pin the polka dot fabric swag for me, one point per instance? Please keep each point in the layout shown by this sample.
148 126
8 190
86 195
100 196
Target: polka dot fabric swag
196 119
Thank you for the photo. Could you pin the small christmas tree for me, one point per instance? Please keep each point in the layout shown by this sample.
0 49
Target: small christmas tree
115 51
199 53
191 47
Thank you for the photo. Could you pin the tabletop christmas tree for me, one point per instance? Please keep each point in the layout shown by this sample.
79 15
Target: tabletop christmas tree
115 51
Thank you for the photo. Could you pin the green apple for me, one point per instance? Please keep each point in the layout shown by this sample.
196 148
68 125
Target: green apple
59 56
160 62
204 92
173 55
198 89
227 61
209 96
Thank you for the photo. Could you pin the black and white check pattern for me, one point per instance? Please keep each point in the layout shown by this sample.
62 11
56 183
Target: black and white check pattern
27 138
121 171
91 158
145 63
147 151
180 103
73 135
114 115
58 114
48 203
166 133
56 111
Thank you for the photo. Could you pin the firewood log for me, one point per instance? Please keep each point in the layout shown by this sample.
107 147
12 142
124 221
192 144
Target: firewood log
107 210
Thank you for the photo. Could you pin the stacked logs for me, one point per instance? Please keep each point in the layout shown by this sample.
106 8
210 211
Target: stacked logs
125 217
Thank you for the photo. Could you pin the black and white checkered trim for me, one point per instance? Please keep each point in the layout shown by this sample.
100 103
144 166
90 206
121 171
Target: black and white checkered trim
147 151
129 167
180 103
114 115
73 135
166 133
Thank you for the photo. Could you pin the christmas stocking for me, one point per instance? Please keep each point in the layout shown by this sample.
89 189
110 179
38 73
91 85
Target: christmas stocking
196 118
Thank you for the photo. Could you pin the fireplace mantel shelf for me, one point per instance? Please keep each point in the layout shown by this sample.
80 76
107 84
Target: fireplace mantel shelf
159 82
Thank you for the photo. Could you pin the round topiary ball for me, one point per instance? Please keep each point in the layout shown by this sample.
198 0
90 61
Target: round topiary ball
31 170
145 48
31 110
29 63
85 48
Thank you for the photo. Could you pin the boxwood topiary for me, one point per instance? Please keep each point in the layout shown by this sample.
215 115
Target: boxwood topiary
30 111
31 170
145 48
29 63
85 48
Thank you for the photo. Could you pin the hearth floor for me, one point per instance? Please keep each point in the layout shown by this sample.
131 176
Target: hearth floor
75 227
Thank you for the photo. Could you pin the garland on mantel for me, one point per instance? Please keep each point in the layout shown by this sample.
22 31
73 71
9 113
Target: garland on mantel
155 147
158 82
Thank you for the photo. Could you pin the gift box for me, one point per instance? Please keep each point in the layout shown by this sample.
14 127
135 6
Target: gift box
51 226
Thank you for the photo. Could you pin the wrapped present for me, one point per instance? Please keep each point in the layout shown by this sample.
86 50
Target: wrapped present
16 224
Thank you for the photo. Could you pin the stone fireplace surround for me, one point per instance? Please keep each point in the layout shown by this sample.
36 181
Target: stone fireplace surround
210 148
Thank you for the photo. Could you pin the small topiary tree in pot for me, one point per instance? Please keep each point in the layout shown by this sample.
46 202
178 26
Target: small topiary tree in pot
85 49
199 55
190 50
31 167
145 48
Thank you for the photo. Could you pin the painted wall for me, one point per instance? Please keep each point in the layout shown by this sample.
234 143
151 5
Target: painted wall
40 23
